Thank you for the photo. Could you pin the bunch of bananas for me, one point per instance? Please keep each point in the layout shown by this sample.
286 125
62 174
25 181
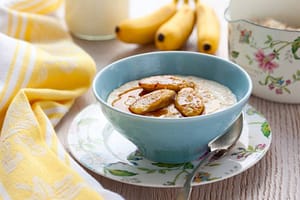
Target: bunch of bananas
169 28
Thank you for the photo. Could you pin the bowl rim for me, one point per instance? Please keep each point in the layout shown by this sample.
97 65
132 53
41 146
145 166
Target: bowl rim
242 101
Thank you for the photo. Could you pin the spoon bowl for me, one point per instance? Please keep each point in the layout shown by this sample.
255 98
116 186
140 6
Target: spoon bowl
216 149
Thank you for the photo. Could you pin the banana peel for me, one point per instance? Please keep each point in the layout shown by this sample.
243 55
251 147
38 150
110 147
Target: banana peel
208 28
142 30
173 34
169 28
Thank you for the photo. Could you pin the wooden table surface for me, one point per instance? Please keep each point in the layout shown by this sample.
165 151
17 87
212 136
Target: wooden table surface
275 176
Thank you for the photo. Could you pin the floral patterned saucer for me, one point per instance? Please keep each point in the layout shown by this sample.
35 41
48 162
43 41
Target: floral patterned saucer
96 145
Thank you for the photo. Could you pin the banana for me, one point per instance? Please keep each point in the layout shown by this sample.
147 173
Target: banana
175 32
142 30
208 28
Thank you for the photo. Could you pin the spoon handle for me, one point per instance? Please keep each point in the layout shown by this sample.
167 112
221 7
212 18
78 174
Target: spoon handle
185 191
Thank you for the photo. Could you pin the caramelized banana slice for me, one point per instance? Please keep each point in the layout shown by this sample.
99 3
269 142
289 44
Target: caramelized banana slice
153 101
164 82
189 102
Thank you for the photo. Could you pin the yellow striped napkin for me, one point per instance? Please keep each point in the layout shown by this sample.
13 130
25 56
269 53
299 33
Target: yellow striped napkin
42 72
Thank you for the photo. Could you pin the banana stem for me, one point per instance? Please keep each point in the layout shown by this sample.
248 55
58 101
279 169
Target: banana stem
206 47
175 1
186 1
161 37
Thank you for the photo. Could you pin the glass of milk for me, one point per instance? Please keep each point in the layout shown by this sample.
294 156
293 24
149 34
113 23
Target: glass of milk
95 19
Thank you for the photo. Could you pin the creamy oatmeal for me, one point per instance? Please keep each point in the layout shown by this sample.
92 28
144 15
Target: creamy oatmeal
203 96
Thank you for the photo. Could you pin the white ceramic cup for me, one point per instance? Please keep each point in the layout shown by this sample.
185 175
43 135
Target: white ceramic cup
95 19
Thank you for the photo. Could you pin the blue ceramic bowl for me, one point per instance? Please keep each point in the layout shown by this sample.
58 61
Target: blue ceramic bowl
166 139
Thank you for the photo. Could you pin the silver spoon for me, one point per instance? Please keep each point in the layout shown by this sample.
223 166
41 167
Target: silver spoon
216 148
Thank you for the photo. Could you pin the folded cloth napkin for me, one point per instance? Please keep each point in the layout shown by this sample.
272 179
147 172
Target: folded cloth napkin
42 72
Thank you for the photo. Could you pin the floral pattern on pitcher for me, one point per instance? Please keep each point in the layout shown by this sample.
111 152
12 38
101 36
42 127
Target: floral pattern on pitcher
267 58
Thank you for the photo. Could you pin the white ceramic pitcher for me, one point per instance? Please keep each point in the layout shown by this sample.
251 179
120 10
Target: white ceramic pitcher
271 56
